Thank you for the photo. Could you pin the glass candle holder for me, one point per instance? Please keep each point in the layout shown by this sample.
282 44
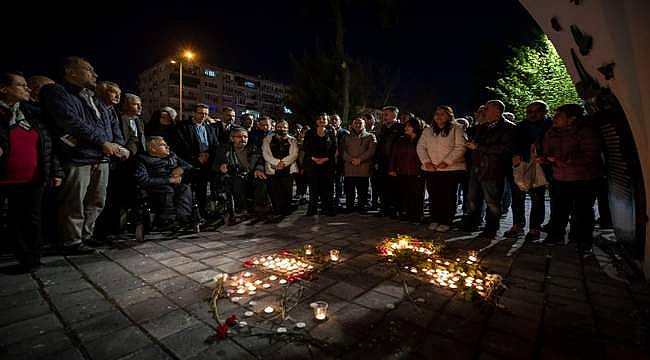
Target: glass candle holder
320 310
403 243
335 254
309 249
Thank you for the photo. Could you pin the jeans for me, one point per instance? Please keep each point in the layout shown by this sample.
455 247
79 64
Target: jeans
537 207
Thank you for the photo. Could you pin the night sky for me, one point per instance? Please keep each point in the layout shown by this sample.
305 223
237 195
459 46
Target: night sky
446 51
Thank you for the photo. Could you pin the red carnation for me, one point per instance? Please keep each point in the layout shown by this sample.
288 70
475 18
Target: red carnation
231 320
248 263
222 331
283 251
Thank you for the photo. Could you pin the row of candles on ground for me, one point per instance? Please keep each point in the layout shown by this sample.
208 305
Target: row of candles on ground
320 310
406 244
291 265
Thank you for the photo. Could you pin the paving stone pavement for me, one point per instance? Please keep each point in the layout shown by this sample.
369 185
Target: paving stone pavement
149 300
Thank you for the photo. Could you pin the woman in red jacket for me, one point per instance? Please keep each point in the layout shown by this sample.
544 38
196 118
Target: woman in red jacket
405 164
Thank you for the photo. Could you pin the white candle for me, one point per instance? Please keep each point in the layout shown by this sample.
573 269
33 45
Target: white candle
283 281
266 286
273 278
334 254
268 309
247 274
320 310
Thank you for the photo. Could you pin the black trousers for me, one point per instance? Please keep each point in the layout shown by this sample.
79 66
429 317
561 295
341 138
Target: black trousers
576 196
388 193
281 189
537 207
411 196
301 184
442 187
120 193
24 220
245 191
375 191
170 202
359 184
321 187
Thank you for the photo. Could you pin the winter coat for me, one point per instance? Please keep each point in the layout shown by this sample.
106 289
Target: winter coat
363 146
577 151
272 161
152 171
436 148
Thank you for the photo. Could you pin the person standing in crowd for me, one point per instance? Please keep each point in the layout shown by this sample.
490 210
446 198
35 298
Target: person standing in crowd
262 130
162 123
358 150
405 167
530 135
241 165
108 96
573 148
223 127
387 134
442 153
132 125
492 158
280 151
27 166
246 121
196 143
320 151
340 132
301 177
370 128
36 83
159 173
86 139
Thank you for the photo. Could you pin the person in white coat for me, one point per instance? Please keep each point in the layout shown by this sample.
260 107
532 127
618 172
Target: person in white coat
280 151
441 150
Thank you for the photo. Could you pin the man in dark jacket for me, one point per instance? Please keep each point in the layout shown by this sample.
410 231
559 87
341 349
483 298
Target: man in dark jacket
389 131
159 172
196 142
493 145
26 166
530 136
261 130
85 139
242 169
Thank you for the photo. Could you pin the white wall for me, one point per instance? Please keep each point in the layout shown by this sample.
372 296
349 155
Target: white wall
621 33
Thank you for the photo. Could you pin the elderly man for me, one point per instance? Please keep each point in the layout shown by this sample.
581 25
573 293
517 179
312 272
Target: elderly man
358 150
85 139
280 151
159 172
242 167
389 131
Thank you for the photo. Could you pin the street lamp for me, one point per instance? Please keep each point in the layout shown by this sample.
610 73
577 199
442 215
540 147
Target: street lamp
189 55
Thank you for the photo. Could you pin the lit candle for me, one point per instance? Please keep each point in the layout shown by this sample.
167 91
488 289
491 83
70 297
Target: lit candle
283 281
266 286
309 249
241 291
473 255
251 288
240 281
247 274
320 310
268 309
334 254
403 243
273 277
257 282
249 313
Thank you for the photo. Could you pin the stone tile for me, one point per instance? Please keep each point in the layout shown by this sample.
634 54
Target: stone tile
62 301
189 342
437 346
333 332
136 295
204 276
505 346
43 346
231 267
189 249
68 287
175 284
164 255
20 299
412 314
159 275
67 354
85 311
175 261
460 329
150 309
376 300
356 317
25 312
100 326
344 291
118 344
28 328
151 352
190 267
169 324
190 296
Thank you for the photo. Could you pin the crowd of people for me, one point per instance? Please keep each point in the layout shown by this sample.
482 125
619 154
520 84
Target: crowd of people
74 155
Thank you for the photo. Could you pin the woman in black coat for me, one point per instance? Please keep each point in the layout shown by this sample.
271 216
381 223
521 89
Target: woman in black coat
320 151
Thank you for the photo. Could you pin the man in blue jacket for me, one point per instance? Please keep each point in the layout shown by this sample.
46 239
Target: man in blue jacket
85 139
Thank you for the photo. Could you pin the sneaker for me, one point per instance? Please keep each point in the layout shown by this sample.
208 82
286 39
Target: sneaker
442 228
433 226
514 231
533 234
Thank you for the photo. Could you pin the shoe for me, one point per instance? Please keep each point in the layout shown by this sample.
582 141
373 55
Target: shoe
433 226
442 228
80 249
533 234
487 234
514 231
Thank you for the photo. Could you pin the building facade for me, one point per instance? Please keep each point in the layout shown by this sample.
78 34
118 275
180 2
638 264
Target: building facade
212 85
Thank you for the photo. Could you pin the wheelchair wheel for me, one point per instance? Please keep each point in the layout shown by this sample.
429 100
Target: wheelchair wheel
139 232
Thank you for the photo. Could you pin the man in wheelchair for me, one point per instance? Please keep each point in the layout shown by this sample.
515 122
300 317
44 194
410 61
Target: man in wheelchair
241 166
159 173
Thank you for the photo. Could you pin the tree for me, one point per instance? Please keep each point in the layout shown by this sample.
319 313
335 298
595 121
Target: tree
534 73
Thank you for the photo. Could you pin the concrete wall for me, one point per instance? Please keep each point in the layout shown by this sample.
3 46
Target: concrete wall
621 34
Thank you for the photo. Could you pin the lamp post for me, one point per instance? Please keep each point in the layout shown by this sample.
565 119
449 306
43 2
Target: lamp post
189 55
